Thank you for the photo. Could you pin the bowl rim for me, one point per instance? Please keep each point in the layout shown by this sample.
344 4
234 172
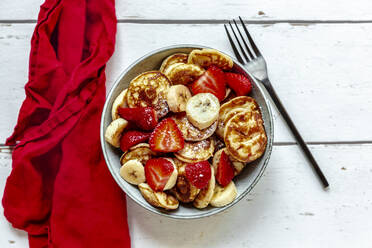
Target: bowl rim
216 210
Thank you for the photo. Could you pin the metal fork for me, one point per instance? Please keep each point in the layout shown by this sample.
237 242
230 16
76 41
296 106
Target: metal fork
254 62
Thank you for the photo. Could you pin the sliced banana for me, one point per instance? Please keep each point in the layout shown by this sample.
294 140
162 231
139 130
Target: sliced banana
177 97
142 153
173 178
172 59
120 101
133 172
224 195
114 130
205 195
207 57
202 110
158 199
180 73
193 152
189 131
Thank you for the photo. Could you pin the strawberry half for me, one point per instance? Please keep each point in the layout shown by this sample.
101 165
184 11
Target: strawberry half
212 81
166 137
143 118
199 174
239 83
158 172
225 170
131 138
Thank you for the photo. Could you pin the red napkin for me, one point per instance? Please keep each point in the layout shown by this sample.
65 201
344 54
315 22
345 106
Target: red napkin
60 190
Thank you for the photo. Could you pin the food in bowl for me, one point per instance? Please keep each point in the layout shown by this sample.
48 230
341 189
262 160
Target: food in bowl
187 130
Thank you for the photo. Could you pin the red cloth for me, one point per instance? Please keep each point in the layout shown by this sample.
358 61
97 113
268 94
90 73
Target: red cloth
60 190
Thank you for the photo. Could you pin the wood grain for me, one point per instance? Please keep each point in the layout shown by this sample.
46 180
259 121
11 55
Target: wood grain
254 10
321 74
287 207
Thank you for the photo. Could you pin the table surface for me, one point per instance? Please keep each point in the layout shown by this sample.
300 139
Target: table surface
319 55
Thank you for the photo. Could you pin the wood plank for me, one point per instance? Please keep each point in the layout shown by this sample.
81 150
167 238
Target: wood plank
254 10
316 70
287 207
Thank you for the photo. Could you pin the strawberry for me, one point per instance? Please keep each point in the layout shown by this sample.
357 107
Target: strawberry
212 81
158 172
239 83
131 138
144 118
166 137
225 170
199 174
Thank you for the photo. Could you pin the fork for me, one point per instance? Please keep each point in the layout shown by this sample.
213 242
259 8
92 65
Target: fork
254 62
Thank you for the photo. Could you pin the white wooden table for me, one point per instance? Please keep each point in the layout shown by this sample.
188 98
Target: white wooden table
319 55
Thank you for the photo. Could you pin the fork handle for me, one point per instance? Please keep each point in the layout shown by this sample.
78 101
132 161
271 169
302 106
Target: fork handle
295 132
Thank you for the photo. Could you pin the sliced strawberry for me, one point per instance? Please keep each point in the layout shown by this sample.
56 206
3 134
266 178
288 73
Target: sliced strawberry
199 173
158 172
212 81
166 137
131 138
144 118
239 83
225 170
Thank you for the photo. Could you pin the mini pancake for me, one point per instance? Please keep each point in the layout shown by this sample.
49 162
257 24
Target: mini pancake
189 131
207 57
141 153
232 107
184 191
180 73
245 136
172 59
198 151
149 89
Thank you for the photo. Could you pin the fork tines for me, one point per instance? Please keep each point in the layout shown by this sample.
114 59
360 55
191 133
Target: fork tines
246 53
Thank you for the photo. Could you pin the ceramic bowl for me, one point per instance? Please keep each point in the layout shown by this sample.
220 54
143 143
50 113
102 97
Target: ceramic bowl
244 182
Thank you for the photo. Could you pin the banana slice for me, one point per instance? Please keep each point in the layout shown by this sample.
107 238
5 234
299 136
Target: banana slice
194 152
232 107
114 130
149 89
158 199
172 59
207 57
120 101
238 166
202 110
173 178
245 136
189 131
205 195
180 73
141 153
223 196
133 172
184 191
177 97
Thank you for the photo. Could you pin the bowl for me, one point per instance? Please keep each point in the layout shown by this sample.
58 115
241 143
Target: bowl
244 182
